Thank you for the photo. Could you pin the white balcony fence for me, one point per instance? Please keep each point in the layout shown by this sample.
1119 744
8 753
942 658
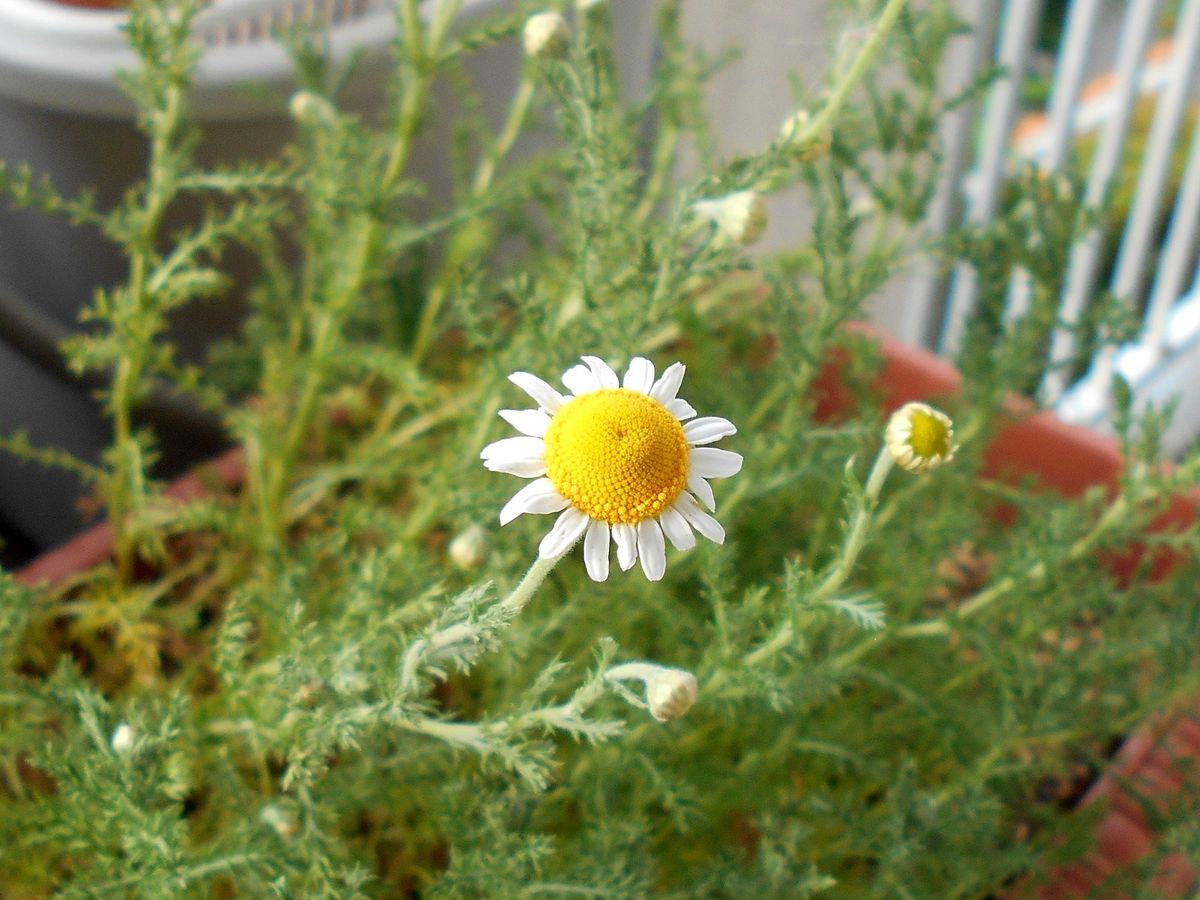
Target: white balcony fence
1119 68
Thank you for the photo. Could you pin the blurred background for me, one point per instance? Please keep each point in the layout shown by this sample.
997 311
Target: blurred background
1098 98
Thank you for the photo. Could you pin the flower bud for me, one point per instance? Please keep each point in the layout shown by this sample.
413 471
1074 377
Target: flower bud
122 738
311 109
793 126
585 6
546 36
669 692
280 820
920 438
792 133
468 549
741 216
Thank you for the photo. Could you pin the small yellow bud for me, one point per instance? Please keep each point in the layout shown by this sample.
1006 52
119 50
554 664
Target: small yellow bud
546 36
920 438
741 216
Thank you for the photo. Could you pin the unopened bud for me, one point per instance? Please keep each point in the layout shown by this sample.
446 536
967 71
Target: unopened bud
585 6
122 738
669 692
311 109
468 549
546 36
793 126
281 821
741 216
794 133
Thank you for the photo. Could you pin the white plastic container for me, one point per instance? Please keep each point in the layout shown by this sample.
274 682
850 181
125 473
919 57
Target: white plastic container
63 57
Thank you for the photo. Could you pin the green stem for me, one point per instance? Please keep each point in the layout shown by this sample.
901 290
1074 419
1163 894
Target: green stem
520 596
1116 511
127 478
866 56
327 320
484 175
856 536
664 156
980 601
855 540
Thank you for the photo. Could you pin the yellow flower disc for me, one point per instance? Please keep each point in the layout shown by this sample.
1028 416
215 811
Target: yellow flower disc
617 455
930 438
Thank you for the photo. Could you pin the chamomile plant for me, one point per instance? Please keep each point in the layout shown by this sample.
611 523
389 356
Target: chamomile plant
361 658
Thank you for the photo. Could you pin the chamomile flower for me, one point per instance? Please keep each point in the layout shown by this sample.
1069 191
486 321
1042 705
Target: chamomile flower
623 460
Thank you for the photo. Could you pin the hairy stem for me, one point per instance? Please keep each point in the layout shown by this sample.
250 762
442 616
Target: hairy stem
518 110
126 482
866 56
326 324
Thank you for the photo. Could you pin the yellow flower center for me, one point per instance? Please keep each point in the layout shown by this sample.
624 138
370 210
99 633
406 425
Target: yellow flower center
930 436
617 455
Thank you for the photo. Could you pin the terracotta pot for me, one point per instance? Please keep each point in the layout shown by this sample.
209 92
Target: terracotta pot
1151 764
93 546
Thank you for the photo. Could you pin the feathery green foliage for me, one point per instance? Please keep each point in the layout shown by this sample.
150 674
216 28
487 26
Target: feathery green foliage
292 688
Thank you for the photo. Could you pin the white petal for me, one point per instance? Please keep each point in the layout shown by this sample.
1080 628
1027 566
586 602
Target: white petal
547 397
595 550
603 372
640 375
522 468
580 380
514 448
677 530
532 422
538 497
651 549
625 537
701 431
702 489
680 409
698 518
566 531
712 462
667 386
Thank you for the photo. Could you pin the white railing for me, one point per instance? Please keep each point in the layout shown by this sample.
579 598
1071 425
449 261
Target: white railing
1111 54
1163 363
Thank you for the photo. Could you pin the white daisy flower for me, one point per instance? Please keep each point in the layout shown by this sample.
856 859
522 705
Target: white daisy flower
618 460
